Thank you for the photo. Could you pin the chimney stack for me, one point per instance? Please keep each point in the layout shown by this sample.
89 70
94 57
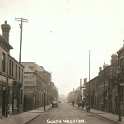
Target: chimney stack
80 82
85 80
114 59
5 31
100 69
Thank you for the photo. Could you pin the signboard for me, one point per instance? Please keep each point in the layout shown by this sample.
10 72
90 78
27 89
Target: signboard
121 84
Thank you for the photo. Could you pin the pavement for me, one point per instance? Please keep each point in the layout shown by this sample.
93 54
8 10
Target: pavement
108 116
23 118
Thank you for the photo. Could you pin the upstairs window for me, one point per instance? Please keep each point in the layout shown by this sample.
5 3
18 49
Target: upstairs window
12 69
16 72
3 62
9 67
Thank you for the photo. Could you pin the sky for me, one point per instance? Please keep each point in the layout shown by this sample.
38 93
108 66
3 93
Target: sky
60 33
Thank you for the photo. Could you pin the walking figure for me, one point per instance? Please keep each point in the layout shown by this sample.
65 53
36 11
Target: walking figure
82 104
73 103
87 107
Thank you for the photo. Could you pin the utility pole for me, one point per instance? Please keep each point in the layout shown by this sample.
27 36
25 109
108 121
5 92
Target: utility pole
19 97
89 83
21 29
89 65
104 86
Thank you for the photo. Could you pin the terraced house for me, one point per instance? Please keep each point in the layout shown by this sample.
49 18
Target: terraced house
106 90
11 77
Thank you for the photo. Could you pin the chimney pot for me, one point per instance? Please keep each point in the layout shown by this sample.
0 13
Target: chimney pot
5 22
5 30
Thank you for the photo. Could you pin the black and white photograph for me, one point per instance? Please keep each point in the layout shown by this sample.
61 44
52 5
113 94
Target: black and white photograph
61 61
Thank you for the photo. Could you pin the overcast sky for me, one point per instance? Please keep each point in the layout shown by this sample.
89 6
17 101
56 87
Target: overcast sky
60 33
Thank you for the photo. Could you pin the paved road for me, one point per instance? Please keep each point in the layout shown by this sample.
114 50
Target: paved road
66 114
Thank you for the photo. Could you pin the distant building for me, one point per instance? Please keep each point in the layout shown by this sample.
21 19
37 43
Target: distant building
11 77
52 92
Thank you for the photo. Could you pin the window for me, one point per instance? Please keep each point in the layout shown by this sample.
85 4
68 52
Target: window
12 69
19 73
3 62
16 72
9 67
122 65
21 92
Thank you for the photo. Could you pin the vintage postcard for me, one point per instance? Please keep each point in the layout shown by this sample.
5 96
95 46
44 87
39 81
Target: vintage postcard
61 61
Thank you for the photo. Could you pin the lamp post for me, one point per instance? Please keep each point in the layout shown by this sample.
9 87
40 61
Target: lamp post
73 96
81 88
44 96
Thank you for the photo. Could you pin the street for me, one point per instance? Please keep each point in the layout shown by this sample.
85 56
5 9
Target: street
66 114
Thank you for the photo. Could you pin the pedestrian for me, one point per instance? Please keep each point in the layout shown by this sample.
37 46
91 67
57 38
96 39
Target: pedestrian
82 104
73 103
87 107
